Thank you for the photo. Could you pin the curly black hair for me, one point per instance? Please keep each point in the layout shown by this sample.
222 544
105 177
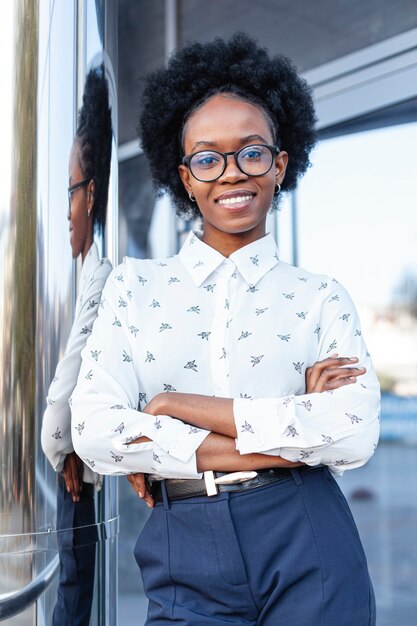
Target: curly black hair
242 68
94 134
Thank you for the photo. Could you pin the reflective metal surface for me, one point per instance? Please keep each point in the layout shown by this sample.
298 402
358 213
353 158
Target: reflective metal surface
45 56
19 27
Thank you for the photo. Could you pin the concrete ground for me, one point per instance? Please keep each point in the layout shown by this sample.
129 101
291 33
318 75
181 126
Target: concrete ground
383 499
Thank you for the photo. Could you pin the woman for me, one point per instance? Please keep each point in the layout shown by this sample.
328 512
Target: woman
89 171
231 357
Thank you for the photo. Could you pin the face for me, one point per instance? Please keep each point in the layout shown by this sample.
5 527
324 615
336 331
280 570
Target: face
82 200
234 207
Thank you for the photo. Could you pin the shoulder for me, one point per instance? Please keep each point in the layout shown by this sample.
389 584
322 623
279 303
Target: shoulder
144 272
320 288
99 273
302 277
103 267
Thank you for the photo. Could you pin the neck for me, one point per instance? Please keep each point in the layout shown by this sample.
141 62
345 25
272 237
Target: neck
227 243
87 246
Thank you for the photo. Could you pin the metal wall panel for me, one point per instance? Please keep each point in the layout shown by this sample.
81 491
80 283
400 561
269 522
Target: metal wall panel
46 49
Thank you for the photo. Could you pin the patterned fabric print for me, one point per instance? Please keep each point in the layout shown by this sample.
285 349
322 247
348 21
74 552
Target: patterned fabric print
245 327
56 425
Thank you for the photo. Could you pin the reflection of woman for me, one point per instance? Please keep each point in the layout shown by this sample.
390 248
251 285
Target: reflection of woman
215 343
89 170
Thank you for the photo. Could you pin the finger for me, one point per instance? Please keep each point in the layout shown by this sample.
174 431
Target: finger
319 366
68 476
342 372
138 483
75 478
329 363
340 382
68 481
334 374
337 371
72 485
143 490
131 479
149 500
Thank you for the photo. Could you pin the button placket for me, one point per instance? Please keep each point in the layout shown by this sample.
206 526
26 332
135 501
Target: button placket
219 338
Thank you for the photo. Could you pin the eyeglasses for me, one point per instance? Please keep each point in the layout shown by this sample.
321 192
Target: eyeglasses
208 165
76 186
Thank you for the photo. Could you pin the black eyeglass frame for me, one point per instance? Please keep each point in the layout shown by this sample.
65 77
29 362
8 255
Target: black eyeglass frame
274 150
76 186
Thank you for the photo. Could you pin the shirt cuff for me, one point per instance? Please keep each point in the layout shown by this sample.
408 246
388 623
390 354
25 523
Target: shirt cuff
174 438
153 460
168 467
259 424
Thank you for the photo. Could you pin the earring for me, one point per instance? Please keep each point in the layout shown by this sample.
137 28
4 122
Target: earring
88 212
190 195
277 189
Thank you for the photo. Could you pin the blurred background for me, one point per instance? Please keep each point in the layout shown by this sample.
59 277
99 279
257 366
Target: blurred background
353 216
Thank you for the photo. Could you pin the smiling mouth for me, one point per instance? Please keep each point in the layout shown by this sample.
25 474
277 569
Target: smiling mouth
235 200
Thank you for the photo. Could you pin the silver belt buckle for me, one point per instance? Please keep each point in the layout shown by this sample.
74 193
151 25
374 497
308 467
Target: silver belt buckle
234 478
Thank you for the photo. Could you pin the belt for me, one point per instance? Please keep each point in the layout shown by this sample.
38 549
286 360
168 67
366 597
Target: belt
213 483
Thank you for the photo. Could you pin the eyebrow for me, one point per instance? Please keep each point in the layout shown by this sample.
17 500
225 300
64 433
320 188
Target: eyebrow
242 141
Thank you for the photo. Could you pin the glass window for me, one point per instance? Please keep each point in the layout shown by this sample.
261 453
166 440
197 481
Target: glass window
357 221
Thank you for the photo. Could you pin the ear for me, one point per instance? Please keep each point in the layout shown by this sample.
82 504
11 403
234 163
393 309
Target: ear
185 176
91 194
281 162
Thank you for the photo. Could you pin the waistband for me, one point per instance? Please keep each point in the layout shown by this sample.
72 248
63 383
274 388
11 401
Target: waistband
180 489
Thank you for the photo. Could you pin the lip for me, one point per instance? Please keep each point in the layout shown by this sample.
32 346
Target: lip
235 193
235 200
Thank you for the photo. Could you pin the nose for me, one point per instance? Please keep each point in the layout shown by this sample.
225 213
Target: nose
232 173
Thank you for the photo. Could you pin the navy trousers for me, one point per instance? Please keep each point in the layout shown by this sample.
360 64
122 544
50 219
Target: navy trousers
286 554
77 552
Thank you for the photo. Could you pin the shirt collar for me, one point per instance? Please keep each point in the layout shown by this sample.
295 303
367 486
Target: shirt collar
253 261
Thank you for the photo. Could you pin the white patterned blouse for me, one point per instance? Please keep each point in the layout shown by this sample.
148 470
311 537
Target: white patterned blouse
243 327
56 425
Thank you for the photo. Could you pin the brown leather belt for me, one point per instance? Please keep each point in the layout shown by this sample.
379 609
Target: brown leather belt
179 489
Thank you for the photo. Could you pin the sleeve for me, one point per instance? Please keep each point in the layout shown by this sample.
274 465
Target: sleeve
56 425
104 415
337 428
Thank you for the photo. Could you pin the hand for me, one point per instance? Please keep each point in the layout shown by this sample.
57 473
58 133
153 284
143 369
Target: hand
141 486
332 373
73 475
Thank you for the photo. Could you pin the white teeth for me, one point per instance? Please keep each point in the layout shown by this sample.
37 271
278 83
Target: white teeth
235 199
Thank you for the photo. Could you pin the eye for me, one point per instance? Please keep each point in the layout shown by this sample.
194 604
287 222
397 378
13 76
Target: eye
205 160
253 153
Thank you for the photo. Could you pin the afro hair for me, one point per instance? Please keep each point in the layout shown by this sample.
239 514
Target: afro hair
238 66
94 134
